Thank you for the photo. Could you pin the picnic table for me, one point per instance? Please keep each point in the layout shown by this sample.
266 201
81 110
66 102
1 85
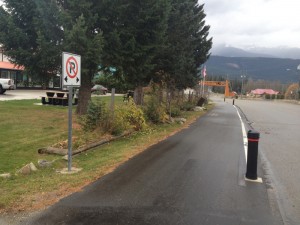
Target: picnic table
57 98
128 95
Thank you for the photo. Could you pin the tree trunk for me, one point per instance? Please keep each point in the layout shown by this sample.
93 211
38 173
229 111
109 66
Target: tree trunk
161 94
84 94
138 95
169 99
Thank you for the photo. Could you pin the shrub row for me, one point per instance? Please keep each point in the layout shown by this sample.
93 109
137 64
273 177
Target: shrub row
129 116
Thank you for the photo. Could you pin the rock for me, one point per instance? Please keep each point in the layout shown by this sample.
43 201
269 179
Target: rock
5 175
66 157
171 120
183 120
198 109
180 120
44 163
25 170
32 167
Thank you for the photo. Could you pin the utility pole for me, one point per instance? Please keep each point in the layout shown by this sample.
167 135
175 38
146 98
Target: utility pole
242 88
298 70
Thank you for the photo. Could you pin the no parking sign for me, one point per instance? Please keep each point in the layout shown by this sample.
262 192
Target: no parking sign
71 69
71 75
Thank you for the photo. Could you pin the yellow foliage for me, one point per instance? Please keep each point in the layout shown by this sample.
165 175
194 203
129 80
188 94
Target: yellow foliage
292 91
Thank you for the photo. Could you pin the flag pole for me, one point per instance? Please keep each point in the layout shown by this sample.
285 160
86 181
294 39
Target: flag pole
203 83
203 89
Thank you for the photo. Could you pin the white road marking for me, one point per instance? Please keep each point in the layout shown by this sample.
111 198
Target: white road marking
245 139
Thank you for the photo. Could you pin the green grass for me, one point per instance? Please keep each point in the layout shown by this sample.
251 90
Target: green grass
26 127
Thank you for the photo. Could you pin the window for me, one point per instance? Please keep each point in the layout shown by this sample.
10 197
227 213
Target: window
4 74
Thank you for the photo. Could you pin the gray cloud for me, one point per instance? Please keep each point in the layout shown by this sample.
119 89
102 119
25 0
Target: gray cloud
265 23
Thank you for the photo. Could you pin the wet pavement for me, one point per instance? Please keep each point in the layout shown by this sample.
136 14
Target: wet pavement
194 177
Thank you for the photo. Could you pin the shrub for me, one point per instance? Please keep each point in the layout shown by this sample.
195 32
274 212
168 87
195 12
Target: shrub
154 111
280 96
96 115
127 117
175 111
187 106
134 115
269 96
119 123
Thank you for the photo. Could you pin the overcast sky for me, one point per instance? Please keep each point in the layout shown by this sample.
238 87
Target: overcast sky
247 23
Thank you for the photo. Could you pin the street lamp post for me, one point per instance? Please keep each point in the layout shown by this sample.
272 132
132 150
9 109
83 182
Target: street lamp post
298 69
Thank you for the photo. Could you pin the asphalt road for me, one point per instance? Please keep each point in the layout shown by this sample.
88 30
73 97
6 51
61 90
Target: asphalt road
279 125
194 177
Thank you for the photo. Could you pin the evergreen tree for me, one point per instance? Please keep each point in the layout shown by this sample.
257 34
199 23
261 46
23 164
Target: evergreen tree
35 32
187 46
83 37
31 36
138 38
138 31
109 22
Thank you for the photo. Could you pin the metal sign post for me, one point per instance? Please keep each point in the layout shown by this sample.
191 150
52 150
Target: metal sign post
71 66
70 129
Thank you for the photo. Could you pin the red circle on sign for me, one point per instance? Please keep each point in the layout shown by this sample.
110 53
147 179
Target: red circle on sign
69 65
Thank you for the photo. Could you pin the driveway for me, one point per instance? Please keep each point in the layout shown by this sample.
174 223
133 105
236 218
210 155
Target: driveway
30 94
22 94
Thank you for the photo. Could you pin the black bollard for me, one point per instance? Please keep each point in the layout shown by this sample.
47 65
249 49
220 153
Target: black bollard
233 102
253 138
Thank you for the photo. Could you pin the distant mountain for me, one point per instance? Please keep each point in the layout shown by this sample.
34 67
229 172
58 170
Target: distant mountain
281 52
271 69
236 52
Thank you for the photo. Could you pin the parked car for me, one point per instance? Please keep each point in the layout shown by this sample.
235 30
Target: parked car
6 84
99 89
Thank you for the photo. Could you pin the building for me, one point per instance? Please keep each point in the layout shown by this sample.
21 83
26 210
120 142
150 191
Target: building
263 92
21 78
9 70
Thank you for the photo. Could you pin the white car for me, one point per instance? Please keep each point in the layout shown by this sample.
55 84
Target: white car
6 84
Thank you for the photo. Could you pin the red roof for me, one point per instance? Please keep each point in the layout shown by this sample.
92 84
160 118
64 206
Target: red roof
264 91
10 66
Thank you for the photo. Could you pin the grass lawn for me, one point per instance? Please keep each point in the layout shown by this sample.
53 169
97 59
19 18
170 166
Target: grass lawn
25 127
